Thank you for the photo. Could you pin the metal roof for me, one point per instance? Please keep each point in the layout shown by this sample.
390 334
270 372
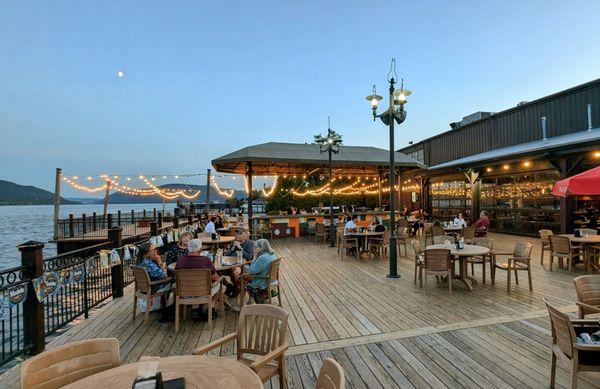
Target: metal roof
297 158
538 146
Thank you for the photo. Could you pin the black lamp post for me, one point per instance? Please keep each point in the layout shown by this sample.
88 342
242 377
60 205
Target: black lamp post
331 145
396 113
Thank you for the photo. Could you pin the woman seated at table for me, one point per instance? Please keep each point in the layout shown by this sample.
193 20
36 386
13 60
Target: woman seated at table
376 225
218 222
148 258
459 221
482 224
179 249
258 287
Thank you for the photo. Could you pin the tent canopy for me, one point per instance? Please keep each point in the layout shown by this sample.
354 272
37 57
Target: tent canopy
276 158
586 183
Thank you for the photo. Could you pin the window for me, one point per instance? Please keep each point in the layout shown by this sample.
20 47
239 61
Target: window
417 155
448 198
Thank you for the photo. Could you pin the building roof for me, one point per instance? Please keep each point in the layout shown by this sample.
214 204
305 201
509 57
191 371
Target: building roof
539 146
296 158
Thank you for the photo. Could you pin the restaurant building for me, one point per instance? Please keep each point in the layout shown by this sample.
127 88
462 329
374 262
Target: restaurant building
507 162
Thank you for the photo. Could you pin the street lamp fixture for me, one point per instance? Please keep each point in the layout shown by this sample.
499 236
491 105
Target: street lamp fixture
330 145
394 113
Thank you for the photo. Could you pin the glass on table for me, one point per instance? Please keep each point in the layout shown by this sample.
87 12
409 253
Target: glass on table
148 366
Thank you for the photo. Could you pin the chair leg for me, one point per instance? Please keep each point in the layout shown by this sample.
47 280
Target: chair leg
529 276
574 366
176 316
552 370
147 313
282 380
472 269
542 257
450 282
508 278
210 309
483 270
279 294
516 276
134 306
416 268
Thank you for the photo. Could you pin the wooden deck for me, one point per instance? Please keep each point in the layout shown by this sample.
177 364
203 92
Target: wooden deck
384 332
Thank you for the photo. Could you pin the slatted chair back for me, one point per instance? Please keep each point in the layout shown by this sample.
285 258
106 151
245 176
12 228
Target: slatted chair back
320 228
560 244
437 230
588 289
402 223
340 232
545 235
588 231
71 362
483 242
261 328
522 250
386 236
437 259
141 278
563 334
417 247
439 239
469 232
273 271
193 282
331 375
312 225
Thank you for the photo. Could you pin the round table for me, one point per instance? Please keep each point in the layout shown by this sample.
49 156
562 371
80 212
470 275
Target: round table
215 243
586 241
228 264
470 250
198 371
453 229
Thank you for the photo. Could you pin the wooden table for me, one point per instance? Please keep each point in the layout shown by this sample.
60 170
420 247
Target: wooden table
198 371
586 241
224 231
215 243
453 229
230 263
363 238
470 250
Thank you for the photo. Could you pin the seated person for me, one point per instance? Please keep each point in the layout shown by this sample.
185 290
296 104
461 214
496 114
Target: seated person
246 247
459 221
258 287
209 228
482 224
218 222
350 224
179 249
378 226
148 258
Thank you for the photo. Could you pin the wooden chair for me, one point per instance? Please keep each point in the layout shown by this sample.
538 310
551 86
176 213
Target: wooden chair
195 287
437 262
260 340
482 259
468 233
272 278
560 247
588 294
418 250
439 239
581 357
380 244
320 231
545 238
518 260
260 231
347 242
331 375
428 233
402 238
143 290
71 362
312 228
437 231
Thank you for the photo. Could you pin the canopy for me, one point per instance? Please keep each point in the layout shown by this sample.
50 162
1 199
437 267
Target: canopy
276 158
586 183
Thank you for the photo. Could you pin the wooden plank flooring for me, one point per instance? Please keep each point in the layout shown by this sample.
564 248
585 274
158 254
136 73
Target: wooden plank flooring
385 332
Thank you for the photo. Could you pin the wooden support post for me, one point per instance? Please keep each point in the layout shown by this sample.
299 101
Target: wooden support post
71 226
154 228
567 204
94 227
474 179
249 176
109 221
160 220
379 190
119 218
164 203
84 223
57 189
176 221
32 258
144 213
208 190
106 194
115 235
154 214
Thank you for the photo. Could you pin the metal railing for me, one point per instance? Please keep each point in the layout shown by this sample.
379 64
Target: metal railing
96 226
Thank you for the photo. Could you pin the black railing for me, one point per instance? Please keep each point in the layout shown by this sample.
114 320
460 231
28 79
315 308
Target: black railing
96 226
19 332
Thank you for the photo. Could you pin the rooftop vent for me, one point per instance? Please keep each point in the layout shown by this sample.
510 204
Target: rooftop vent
470 119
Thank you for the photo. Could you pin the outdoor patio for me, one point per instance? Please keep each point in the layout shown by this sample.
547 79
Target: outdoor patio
384 332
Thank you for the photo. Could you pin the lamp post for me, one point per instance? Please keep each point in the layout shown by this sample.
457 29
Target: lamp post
394 113
331 145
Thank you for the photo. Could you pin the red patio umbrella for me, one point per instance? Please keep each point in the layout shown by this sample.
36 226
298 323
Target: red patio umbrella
586 183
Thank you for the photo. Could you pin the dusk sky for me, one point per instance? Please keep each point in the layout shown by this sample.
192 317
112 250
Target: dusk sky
202 79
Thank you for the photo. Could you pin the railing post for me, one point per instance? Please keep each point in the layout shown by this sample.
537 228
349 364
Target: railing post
119 218
144 213
154 214
132 216
109 220
71 231
160 220
94 227
190 220
84 223
32 257
116 271
153 228
176 221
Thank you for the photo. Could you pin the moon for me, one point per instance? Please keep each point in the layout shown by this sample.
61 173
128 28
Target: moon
120 74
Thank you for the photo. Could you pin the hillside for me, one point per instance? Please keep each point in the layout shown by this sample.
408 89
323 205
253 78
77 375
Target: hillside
122 198
15 194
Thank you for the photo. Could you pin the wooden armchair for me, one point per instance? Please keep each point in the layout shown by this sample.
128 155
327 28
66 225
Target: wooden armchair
468 233
71 362
272 278
196 287
481 259
331 375
418 250
380 245
143 289
320 232
437 231
518 260
311 228
260 341
560 247
545 238
428 233
580 356
346 243
437 262
588 294
402 238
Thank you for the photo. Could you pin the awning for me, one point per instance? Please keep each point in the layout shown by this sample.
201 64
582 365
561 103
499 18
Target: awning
586 183
275 158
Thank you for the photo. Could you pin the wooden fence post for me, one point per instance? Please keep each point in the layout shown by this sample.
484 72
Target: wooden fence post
32 257
116 271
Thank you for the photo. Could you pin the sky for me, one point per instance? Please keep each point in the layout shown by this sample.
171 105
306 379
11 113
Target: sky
203 79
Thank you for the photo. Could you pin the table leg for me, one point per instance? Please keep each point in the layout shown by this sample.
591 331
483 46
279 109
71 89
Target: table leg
462 273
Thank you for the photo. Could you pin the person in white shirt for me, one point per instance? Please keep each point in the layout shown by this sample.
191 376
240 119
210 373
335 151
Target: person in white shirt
350 224
210 226
459 221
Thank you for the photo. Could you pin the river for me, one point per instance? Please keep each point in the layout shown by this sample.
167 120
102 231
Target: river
22 223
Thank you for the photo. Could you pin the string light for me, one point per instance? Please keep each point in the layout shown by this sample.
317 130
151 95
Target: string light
272 189
227 193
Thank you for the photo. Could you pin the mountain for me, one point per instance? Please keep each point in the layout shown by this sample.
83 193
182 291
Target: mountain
122 198
85 200
15 194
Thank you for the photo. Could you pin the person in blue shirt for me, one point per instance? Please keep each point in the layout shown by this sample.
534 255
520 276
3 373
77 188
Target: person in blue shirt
257 288
149 259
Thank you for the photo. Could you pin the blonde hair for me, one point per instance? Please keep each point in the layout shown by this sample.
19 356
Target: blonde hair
263 246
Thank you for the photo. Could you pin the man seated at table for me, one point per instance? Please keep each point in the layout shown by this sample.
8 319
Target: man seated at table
378 226
195 260
209 228
351 224
459 221
246 246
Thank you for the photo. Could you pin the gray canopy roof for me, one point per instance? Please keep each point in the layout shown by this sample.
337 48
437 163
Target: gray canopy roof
296 158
